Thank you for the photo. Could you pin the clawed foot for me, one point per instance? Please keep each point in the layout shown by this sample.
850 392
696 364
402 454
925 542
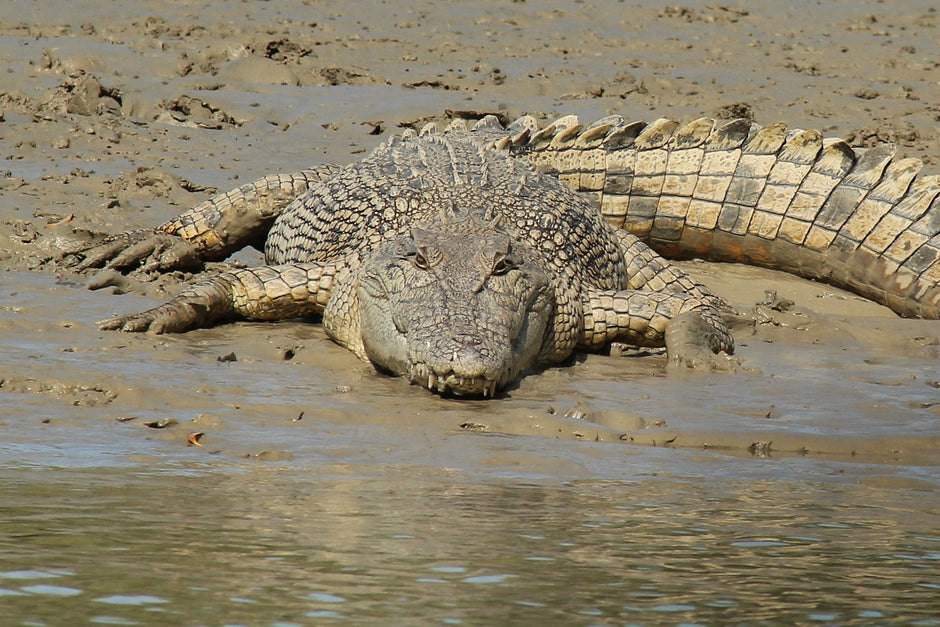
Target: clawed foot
147 250
694 341
173 317
189 310
698 358
195 307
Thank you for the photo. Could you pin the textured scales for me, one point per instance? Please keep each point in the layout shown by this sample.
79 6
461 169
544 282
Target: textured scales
462 259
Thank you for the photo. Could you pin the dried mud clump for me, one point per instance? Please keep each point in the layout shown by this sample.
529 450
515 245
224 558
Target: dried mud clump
735 111
901 133
194 112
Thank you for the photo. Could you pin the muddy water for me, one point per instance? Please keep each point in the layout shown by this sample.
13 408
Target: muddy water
801 488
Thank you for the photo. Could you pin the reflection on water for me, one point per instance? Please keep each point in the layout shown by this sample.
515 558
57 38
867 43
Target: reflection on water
719 540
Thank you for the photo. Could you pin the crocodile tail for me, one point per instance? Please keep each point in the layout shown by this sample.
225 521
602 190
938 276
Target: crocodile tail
735 191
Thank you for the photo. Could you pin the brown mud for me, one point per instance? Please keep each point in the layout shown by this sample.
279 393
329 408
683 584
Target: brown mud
121 116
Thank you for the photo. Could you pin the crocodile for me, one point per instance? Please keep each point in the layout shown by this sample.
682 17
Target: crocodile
462 259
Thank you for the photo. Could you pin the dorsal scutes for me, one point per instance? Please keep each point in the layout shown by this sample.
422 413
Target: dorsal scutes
457 126
565 122
522 128
566 137
836 158
767 140
801 147
609 122
543 137
593 136
656 135
623 136
487 123
728 136
693 134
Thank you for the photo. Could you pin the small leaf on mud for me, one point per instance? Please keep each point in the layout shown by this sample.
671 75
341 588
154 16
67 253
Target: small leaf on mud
64 220
577 412
161 424
125 418
193 438
474 426
229 357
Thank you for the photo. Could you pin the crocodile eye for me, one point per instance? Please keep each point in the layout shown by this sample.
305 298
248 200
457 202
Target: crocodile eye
420 262
502 266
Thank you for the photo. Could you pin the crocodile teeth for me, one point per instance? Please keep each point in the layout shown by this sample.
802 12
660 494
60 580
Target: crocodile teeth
459 385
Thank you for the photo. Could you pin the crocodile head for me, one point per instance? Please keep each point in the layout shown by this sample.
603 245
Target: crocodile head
456 307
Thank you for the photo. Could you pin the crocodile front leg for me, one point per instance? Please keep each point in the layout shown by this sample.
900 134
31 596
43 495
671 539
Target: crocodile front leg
692 330
210 231
262 293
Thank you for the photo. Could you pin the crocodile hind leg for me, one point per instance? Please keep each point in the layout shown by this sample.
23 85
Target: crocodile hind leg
692 330
647 270
661 306
210 231
263 293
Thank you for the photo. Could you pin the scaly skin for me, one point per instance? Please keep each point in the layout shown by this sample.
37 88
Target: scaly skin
462 260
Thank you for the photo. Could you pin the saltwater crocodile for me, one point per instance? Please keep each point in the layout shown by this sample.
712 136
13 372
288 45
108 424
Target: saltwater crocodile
462 259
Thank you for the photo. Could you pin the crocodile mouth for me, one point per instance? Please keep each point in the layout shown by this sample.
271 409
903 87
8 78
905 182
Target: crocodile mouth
453 383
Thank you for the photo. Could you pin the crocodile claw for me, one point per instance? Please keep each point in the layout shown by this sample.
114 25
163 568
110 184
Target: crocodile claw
148 250
175 316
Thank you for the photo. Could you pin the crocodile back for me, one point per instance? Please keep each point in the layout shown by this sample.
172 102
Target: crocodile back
417 179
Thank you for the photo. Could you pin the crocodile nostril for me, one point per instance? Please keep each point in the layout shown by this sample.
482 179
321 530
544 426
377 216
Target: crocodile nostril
466 339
